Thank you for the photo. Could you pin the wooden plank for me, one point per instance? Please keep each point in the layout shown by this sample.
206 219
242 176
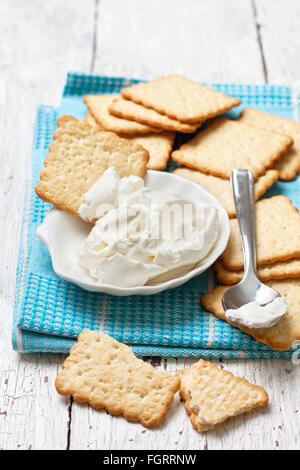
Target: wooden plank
279 22
211 41
40 42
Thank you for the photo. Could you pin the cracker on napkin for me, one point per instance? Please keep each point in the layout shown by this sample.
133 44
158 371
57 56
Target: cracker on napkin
106 374
279 270
98 106
289 164
79 155
180 98
225 144
280 336
212 395
221 188
127 109
277 234
159 146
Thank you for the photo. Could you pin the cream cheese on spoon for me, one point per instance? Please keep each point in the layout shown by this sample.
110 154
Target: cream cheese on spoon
142 235
254 315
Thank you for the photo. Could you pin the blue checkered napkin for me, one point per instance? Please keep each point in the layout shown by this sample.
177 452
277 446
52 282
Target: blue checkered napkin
50 312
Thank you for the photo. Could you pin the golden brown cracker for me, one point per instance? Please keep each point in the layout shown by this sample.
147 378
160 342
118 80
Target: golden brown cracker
127 109
106 374
98 106
158 146
212 395
289 164
79 155
180 98
221 188
277 234
225 144
282 335
279 270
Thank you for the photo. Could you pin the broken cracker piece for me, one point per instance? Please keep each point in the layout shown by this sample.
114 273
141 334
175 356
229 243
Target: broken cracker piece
79 155
106 374
98 106
212 395
180 98
225 144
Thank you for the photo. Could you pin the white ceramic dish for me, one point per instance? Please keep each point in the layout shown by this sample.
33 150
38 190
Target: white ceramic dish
62 233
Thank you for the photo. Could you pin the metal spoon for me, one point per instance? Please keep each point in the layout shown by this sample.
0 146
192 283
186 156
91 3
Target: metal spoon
249 289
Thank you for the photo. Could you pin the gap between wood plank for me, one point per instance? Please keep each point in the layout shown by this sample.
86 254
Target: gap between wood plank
95 42
259 39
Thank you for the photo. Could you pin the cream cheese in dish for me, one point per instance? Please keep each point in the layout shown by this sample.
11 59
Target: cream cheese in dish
143 236
254 315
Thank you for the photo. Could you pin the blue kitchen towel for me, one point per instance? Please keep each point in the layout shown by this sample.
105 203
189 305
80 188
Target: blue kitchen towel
50 312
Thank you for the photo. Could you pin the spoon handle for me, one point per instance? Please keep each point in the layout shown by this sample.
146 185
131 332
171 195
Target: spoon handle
243 193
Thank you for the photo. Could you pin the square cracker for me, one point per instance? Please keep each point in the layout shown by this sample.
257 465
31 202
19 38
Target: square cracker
106 374
225 144
212 395
280 336
159 146
79 156
98 106
277 234
221 188
127 109
180 98
279 270
289 164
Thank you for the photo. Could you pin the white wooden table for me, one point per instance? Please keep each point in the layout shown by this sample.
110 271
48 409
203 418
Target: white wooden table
207 40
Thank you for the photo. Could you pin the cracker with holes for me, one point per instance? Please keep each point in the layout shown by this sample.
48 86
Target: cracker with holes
127 109
277 234
289 164
79 156
212 395
106 374
180 98
225 144
280 336
279 270
98 106
221 188
159 146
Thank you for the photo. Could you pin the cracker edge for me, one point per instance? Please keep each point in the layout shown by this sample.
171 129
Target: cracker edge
185 395
131 417
61 120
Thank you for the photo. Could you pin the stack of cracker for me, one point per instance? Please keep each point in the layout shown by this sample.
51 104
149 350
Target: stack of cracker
278 262
150 113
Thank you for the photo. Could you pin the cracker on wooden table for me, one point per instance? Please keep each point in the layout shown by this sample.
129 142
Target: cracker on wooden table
106 374
225 144
277 234
159 146
289 164
280 336
98 106
279 270
212 395
79 155
180 98
221 188
127 109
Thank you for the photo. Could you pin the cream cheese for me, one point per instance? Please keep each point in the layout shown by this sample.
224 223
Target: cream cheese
254 315
143 236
